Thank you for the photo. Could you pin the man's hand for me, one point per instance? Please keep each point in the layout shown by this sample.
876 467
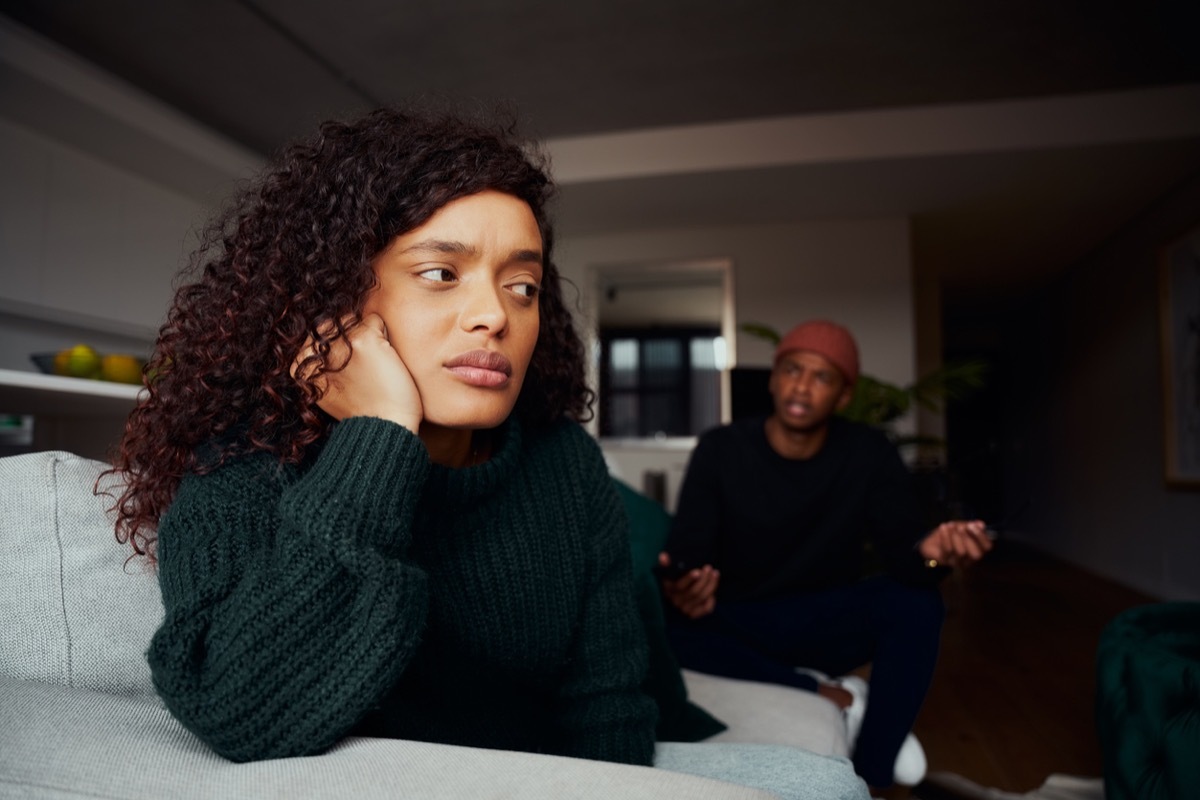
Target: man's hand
694 593
956 543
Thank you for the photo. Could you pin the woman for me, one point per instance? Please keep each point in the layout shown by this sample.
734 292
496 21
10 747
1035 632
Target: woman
359 470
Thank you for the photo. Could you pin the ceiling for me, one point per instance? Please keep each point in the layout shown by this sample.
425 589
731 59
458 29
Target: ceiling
988 221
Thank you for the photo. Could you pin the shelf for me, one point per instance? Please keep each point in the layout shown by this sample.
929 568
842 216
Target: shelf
38 394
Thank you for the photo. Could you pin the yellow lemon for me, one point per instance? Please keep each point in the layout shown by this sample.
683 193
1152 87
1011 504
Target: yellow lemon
82 362
121 368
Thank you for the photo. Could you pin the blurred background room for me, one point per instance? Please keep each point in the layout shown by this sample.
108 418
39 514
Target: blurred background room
1015 184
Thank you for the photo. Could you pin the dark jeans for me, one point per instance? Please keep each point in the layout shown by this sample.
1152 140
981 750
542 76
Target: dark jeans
891 626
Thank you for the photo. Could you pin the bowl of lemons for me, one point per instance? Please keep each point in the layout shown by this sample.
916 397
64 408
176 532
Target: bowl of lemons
83 361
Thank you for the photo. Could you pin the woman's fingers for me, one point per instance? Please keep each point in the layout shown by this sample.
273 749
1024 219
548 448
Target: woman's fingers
364 375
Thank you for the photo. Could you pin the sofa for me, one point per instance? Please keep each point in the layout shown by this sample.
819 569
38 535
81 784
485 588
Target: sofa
79 717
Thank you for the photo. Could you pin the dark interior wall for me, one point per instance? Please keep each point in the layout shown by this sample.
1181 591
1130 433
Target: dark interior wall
1083 413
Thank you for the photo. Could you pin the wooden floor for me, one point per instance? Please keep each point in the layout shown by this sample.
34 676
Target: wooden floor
1012 698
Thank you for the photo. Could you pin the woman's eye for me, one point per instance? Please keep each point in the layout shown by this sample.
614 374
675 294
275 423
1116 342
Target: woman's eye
439 274
526 289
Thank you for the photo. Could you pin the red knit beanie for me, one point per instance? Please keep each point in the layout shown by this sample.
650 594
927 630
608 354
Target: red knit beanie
827 339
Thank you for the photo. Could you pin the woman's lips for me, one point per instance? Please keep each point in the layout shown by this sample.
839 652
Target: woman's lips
481 368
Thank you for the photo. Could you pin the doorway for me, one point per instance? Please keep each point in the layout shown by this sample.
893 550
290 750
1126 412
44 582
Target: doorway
663 345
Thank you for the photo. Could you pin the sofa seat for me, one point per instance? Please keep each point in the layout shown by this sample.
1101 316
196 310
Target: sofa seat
59 742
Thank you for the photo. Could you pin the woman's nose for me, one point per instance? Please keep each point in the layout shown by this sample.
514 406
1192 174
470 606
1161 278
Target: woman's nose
485 309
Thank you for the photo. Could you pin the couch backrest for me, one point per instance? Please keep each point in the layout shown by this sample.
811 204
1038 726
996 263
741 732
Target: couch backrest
72 611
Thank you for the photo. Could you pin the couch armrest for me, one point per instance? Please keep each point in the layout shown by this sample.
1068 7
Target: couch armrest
61 742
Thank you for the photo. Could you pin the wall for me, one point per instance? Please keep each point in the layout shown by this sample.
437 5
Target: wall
1089 412
855 271
103 190
83 242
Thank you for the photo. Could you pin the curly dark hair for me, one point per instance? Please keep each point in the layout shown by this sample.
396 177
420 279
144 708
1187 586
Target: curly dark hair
291 259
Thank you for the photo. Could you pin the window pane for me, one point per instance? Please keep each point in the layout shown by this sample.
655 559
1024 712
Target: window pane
623 360
661 414
622 415
661 381
706 382
704 352
706 400
664 362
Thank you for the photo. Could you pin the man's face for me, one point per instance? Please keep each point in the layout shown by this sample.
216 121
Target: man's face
807 389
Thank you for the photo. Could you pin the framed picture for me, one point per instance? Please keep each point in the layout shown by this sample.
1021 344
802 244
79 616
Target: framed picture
1180 318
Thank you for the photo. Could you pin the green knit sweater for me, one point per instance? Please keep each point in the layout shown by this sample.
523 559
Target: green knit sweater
371 592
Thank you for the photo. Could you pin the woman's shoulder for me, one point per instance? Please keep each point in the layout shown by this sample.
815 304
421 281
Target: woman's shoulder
243 474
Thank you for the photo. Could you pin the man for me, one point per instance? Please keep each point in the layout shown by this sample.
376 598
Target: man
764 566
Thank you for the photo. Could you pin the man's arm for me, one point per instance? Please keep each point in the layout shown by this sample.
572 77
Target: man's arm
898 528
911 554
689 580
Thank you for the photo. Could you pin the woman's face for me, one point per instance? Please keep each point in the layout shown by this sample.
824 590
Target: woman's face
459 297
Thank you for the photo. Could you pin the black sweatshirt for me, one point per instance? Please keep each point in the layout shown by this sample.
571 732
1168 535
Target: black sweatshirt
775 526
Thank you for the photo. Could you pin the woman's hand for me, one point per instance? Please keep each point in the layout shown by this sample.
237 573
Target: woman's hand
374 382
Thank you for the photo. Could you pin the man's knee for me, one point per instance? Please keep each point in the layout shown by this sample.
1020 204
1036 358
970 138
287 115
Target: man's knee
918 607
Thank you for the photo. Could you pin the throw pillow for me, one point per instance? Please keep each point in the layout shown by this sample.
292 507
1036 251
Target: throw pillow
77 612
679 719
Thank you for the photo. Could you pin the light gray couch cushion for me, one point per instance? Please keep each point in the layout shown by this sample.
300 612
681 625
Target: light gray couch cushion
75 613
58 743
765 713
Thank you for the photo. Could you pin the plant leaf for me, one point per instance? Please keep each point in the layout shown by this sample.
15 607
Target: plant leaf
954 380
762 332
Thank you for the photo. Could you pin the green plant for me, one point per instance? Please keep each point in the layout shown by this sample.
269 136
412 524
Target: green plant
880 403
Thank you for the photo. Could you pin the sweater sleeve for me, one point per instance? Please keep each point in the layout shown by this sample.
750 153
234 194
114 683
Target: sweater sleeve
895 518
605 716
289 608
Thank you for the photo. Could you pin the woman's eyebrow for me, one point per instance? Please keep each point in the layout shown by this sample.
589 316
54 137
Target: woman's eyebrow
444 246
440 246
525 256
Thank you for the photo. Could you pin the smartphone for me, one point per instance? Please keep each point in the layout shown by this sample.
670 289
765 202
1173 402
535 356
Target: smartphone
673 571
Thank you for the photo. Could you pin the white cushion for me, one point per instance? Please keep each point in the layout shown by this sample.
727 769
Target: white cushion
766 713
75 613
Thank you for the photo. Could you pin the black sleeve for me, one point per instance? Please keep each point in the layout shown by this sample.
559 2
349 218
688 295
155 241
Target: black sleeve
896 525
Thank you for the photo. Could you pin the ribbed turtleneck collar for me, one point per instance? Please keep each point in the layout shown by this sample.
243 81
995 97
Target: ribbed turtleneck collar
472 484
